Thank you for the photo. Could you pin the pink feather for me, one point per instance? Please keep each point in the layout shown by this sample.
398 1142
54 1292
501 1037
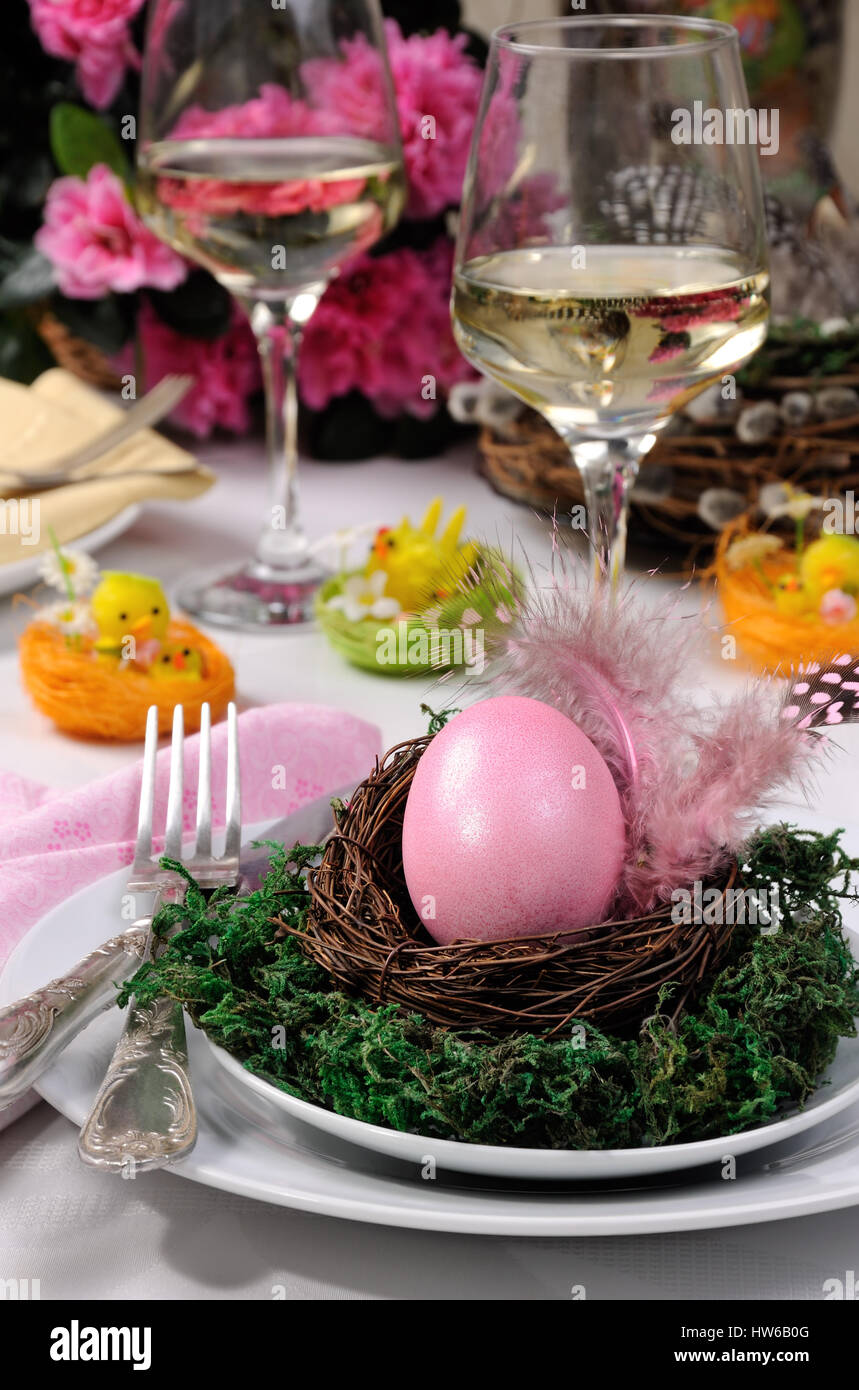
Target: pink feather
691 780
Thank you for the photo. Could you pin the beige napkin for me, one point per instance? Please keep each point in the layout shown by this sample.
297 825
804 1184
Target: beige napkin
58 413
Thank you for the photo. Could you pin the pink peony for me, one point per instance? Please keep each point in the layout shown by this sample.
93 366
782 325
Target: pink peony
433 78
226 372
366 334
97 242
92 34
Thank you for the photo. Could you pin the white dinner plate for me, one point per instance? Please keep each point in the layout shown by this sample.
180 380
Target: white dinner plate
250 1144
20 574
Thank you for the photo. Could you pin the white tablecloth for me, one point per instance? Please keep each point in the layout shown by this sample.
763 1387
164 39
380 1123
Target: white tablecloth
85 1235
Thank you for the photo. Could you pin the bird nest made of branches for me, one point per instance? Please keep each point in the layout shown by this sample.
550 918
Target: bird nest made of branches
532 465
363 930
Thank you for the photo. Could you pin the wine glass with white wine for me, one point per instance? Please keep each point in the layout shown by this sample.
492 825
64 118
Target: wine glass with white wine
270 154
612 262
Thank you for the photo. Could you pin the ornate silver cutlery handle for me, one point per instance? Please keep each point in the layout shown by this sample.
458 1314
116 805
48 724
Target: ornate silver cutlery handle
143 1116
34 1030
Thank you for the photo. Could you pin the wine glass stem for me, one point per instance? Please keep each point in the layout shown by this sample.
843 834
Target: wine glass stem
282 543
609 468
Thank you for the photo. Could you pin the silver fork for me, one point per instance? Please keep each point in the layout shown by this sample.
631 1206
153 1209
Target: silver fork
145 413
143 1116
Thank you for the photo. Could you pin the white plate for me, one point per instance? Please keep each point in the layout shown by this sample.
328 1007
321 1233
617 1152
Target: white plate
22 573
248 1144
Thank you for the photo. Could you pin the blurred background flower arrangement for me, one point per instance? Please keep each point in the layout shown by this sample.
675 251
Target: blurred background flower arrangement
84 282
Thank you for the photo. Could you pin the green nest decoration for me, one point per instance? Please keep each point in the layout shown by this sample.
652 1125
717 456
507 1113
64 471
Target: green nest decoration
756 1041
449 633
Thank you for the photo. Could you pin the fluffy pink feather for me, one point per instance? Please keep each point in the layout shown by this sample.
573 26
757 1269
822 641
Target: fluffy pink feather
691 779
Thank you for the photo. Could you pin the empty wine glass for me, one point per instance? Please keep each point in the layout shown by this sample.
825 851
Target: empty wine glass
611 260
270 154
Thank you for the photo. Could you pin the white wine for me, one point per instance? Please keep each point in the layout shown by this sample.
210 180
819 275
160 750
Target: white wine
617 345
273 215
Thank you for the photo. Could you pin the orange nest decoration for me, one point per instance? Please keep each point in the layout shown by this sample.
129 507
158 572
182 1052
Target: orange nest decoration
773 640
92 699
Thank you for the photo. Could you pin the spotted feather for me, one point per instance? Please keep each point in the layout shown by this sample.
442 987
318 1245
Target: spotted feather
824 695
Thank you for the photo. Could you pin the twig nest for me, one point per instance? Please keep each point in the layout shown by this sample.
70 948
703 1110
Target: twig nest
93 698
363 930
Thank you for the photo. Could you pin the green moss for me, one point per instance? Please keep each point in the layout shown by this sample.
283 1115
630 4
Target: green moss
758 1039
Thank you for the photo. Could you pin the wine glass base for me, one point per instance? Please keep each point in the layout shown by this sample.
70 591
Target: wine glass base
255 597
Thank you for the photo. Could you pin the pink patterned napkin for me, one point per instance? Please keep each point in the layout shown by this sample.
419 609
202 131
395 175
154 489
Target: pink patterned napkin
54 842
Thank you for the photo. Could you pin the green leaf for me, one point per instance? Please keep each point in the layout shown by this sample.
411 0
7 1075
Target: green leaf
80 139
30 280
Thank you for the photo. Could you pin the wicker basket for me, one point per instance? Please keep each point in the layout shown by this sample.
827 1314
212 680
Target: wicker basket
533 467
84 360
363 930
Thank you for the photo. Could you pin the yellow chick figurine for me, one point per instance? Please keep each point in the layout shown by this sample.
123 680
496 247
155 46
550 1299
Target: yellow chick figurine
177 662
129 606
791 597
832 562
420 566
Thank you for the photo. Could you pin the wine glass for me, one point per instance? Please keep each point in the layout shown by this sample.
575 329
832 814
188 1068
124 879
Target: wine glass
610 266
270 154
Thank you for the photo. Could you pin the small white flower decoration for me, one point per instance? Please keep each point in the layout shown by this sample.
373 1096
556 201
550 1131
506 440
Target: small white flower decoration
68 571
74 619
364 596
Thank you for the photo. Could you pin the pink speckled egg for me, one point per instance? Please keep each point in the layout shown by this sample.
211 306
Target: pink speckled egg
513 826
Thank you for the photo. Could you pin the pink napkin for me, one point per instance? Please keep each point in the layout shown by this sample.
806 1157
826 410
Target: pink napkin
54 842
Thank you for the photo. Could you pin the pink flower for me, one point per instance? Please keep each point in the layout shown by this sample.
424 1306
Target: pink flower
366 336
670 345
523 213
274 114
434 77
837 607
437 91
500 134
715 306
92 34
226 372
97 242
